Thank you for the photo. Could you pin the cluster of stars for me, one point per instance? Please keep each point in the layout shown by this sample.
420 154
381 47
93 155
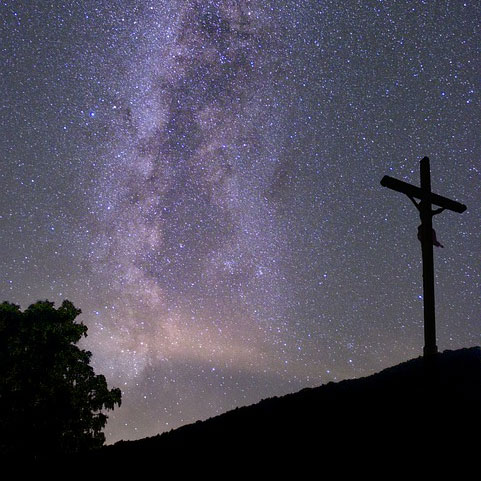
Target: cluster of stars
201 178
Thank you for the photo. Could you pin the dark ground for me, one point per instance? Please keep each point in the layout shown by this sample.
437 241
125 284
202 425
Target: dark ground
417 407
416 418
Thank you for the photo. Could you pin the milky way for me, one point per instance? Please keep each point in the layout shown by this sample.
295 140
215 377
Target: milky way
201 178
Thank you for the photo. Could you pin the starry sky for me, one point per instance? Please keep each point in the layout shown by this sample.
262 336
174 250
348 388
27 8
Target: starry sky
201 179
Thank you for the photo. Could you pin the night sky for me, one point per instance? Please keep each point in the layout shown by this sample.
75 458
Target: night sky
202 179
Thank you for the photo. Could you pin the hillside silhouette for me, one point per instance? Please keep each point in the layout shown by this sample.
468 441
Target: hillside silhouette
418 405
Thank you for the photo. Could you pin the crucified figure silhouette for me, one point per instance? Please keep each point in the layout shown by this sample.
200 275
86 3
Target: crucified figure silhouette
433 213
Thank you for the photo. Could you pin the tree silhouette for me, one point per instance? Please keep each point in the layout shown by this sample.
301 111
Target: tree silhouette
51 401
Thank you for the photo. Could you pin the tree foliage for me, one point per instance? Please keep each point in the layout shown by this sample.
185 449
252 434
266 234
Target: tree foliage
51 401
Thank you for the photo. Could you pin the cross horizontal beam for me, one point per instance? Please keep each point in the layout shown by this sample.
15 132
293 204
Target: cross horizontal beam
413 191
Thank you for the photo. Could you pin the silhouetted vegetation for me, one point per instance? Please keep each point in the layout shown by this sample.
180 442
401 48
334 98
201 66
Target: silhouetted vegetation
51 401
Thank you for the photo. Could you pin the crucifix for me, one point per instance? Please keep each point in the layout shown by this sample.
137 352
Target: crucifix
427 237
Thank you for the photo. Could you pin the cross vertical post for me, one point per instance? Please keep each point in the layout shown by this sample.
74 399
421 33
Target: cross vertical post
426 229
427 236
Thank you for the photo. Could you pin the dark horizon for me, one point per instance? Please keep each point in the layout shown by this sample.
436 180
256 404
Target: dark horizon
409 407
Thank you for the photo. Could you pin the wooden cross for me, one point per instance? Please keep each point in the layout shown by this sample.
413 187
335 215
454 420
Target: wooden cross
427 237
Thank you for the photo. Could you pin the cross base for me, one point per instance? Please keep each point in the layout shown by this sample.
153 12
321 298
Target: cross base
430 351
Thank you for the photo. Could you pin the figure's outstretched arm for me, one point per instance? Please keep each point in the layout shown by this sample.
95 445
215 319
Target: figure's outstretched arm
437 211
414 202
